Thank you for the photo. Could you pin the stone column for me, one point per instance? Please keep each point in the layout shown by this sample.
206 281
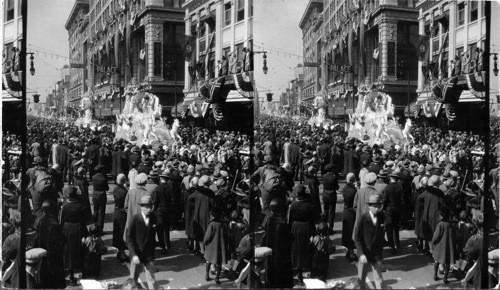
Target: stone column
219 11
452 38
421 31
187 31
153 34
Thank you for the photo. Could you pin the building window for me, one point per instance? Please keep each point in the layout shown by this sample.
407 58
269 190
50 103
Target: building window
9 10
227 13
240 8
391 51
473 10
444 65
461 14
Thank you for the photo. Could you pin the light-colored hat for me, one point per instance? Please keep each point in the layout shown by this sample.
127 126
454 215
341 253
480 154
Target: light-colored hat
141 178
433 181
204 181
146 200
370 178
120 177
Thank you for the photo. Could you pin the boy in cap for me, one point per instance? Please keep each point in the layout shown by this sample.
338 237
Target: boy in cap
369 240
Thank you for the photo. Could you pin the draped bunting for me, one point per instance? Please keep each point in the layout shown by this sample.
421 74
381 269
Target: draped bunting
243 84
450 112
476 85
217 111
445 91
431 110
198 110
10 84
213 92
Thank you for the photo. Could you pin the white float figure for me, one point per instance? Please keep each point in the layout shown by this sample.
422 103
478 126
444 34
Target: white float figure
406 131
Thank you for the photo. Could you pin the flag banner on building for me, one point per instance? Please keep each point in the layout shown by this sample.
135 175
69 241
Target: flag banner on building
243 82
445 91
476 85
10 83
450 112
198 109
213 91
189 47
217 111
431 110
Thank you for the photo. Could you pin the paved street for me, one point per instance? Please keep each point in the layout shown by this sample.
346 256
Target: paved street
180 269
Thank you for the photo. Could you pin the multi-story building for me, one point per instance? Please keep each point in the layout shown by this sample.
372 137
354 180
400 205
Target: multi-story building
494 79
455 32
12 34
76 25
130 42
365 43
12 29
312 33
219 29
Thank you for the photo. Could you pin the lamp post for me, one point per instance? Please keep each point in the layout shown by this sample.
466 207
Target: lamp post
264 66
495 63
32 65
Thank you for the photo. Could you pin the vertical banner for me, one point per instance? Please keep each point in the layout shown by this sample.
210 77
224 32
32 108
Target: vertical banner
116 44
362 45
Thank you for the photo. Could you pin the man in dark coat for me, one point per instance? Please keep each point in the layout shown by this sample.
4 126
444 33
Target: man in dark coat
141 242
116 161
366 155
62 158
375 166
369 240
92 154
324 155
432 200
162 199
50 237
99 199
392 203
330 187
294 158
278 237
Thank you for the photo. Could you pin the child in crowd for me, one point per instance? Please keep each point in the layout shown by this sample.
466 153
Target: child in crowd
444 241
237 230
93 250
323 247
465 231
215 244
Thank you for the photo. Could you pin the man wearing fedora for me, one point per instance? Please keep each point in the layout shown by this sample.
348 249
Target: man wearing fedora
382 181
132 200
392 203
369 241
141 241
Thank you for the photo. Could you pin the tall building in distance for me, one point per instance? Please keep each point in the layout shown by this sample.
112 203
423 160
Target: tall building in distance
126 43
451 61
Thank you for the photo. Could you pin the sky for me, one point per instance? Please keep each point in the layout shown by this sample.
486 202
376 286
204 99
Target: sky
276 30
48 39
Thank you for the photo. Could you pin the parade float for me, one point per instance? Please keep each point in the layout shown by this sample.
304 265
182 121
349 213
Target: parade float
86 113
140 121
373 119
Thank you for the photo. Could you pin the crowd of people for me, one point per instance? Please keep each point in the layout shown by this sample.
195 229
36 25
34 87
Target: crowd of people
433 186
199 185
208 183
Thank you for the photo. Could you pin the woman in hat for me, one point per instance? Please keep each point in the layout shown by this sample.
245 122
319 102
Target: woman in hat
72 219
301 218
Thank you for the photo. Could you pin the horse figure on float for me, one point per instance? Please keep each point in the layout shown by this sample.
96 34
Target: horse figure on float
406 131
175 135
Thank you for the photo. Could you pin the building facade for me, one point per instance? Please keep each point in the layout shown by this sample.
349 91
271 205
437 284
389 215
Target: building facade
12 30
219 31
454 35
368 43
76 25
126 43
312 34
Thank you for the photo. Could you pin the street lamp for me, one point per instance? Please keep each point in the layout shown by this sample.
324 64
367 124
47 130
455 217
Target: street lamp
32 65
495 64
264 67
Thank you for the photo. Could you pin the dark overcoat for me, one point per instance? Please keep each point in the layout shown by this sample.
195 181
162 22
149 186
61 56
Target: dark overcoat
203 203
216 243
50 237
74 228
119 217
301 219
444 240
349 216
432 202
